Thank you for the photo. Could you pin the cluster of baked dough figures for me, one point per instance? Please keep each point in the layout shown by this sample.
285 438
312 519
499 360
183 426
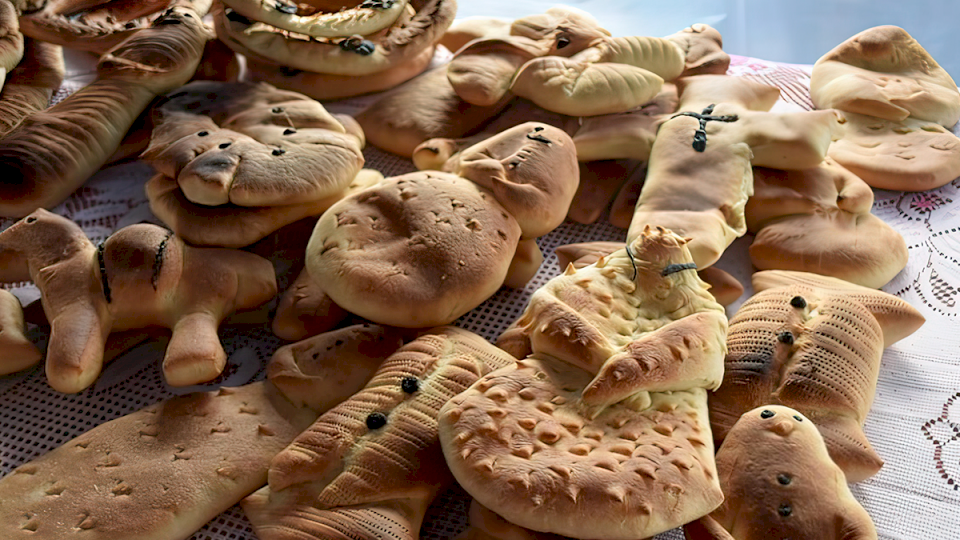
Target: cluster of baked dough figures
621 404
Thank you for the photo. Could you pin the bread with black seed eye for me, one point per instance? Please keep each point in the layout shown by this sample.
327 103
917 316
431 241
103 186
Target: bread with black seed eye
812 343
779 483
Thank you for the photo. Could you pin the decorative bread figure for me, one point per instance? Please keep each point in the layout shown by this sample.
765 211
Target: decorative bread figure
702 47
11 41
424 248
52 153
900 106
31 84
812 343
369 468
140 276
700 177
779 483
815 220
163 472
602 430
16 351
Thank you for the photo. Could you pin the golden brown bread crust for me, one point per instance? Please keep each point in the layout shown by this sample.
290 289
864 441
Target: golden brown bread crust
11 40
31 84
371 466
779 482
140 276
360 18
51 153
305 310
812 343
16 351
702 46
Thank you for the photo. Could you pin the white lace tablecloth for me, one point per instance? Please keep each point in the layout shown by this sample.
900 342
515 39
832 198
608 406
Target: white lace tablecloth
914 423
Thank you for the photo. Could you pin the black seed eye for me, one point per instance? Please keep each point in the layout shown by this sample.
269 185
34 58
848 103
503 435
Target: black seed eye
286 8
276 110
767 413
410 384
289 131
202 134
785 510
784 479
798 302
224 145
279 151
798 418
376 420
785 337
562 42
32 219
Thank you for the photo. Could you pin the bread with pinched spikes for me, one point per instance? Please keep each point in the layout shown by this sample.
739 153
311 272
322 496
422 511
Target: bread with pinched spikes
812 343
601 431
369 468
779 482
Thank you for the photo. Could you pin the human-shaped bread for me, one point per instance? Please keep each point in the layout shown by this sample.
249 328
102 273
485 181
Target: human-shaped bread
779 482
601 431
51 153
700 176
900 105
418 27
422 249
250 144
812 343
140 276
563 61
98 26
371 466
815 220
16 351
166 470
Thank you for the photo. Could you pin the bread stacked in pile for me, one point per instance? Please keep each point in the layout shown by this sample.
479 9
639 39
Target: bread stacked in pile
621 404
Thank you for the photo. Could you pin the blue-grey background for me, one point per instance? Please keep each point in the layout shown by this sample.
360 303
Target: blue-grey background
795 31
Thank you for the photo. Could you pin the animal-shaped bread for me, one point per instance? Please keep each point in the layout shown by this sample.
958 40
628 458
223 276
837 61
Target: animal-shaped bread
815 220
563 61
140 276
163 472
98 26
424 248
11 42
252 145
779 483
812 343
601 431
700 177
16 351
702 48
51 153
369 468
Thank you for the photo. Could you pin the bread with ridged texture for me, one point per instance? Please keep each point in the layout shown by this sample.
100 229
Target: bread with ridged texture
17 351
699 176
360 18
369 468
140 276
235 226
818 220
51 153
601 431
31 84
906 155
883 72
11 40
812 343
250 144
779 482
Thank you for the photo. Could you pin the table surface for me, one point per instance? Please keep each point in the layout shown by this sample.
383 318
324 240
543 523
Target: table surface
914 423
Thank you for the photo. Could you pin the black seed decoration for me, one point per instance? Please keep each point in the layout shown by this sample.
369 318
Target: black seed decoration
539 138
798 418
784 479
224 146
202 134
410 384
632 262
700 136
276 110
289 131
158 261
798 302
767 413
785 338
286 8
378 4
562 42
376 420
104 281
356 44
785 510
279 151
31 219
130 25
674 268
